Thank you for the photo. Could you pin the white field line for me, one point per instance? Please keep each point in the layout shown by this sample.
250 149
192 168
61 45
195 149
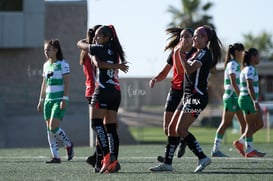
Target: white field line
139 158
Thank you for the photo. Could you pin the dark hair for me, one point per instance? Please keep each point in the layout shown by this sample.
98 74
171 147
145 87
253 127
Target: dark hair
110 32
214 43
55 43
231 51
90 39
248 54
175 36
91 33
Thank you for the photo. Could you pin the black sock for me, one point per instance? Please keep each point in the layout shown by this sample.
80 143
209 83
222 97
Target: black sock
194 146
97 126
170 149
113 138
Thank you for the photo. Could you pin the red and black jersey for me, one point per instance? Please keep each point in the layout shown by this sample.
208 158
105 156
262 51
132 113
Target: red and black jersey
177 79
89 71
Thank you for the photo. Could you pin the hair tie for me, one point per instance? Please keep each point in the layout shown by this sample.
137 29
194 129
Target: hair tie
113 30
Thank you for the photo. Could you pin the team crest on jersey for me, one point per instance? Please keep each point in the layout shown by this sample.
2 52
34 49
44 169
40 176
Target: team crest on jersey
201 54
49 74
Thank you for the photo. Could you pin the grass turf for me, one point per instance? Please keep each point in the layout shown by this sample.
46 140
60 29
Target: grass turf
203 135
28 164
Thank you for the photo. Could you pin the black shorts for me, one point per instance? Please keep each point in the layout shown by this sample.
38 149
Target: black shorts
106 99
193 103
173 99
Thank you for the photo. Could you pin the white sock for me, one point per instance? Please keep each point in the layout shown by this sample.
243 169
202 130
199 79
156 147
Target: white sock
61 136
242 139
249 146
217 144
53 144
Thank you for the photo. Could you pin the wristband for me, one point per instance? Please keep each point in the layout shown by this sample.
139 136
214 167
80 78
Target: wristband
65 98
255 101
41 99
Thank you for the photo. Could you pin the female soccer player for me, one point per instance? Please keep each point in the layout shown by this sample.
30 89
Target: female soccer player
176 91
106 98
54 98
230 98
248 100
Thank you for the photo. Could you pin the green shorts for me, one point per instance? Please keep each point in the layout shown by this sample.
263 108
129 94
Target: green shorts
246 104
52 110
231 104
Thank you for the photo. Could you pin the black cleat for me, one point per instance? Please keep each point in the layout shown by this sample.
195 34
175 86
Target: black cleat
91 160
54 160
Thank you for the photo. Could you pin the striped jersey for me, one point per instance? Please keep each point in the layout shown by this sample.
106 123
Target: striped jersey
53 75
233 67
249 72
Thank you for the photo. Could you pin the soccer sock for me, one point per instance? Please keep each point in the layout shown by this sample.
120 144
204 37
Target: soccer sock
113 139
217 142
170 149
97 126
194 146
249 144
53 144
242 139
60 135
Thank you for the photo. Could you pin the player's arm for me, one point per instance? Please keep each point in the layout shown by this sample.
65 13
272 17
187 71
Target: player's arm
42 96
161 75
234 84
104 65
83 45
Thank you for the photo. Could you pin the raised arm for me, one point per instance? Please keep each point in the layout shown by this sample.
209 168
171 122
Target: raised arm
82 44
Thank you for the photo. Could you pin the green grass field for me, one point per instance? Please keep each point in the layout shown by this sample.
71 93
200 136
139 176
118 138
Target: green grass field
203 135
28 164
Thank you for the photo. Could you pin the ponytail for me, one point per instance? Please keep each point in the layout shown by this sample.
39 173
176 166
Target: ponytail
215 45
110 32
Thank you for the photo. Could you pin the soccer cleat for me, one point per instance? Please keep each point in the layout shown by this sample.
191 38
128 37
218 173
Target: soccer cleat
118 167
106 162
162 167
182 149
54 160
91 160
218 154
240 147
160 159
255 153
70 152
113 167
203 163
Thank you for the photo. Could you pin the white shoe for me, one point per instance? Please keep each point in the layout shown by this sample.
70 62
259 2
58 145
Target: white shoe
202 164
162 167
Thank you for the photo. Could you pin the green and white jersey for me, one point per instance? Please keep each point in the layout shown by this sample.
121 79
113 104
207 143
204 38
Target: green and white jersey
233 67
53 74
249 72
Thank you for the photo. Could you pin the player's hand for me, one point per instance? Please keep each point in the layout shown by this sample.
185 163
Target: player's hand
63 104
124 67
40 107
152 83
